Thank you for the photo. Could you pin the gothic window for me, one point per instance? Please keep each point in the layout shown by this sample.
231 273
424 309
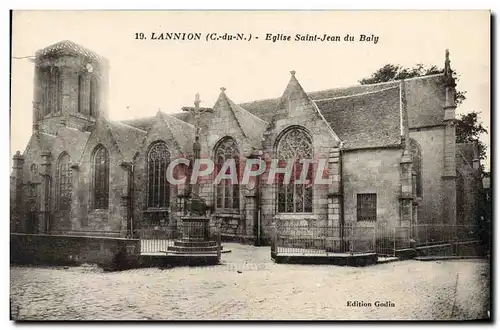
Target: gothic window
416 155
81 92
93 97
51 82
227 194
101 177
56 89
295 145
64 182
367 207
158 186
45 83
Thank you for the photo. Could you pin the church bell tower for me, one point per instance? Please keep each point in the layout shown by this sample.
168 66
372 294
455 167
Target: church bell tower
70 87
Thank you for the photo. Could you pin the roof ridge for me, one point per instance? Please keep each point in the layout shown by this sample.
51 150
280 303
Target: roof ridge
127 125
351 86
231 103
175 118
380 83
359 94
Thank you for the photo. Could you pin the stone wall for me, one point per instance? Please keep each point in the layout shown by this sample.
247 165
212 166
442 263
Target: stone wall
117 253
431 141
372 171
84 216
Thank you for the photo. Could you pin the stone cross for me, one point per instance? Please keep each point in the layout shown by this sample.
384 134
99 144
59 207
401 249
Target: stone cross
196 111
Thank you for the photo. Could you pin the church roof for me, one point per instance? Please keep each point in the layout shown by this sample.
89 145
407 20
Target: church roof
418 115
68 47
357 119
354 113
144 123
129 139
182 132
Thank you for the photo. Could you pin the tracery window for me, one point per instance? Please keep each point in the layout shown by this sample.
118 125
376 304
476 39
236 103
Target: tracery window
295 145
64 182
416 155
101 178
227 193
158 186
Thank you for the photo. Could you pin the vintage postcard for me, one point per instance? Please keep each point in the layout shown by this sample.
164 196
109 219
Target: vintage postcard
250 165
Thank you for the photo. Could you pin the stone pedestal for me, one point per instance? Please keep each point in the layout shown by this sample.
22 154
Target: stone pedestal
195 228
196 240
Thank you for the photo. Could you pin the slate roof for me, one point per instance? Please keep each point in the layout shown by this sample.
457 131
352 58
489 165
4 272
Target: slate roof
362 115
251 125
129 139
418 115
144 123
68 47
183 132
365 120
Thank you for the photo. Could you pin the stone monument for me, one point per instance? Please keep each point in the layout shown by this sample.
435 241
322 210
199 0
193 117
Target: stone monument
196 238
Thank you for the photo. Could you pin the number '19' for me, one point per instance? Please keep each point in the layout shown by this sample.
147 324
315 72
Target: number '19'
139 36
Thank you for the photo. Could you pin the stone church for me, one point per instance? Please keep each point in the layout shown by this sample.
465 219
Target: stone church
390 150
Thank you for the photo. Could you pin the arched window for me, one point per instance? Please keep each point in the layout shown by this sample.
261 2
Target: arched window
227 194
64 182
295 145
93 97
51 82
158 186
81 93
45 83
56 89
100 164
416 155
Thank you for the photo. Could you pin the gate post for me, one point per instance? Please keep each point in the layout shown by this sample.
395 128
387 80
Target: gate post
274 238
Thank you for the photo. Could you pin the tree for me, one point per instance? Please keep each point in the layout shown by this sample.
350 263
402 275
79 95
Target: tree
468 126
390 72
468 129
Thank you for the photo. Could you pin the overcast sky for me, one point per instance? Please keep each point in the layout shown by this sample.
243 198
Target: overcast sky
147 75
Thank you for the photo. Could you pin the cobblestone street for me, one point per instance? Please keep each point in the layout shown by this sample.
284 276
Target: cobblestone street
248 285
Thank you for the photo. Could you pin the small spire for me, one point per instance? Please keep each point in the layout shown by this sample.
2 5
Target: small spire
197 100
292 73
223 89
447 67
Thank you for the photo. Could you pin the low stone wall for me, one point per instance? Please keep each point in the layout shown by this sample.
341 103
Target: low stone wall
459 249
111 253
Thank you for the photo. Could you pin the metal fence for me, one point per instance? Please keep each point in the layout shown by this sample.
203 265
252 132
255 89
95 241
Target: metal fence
305 240
352 238
158 239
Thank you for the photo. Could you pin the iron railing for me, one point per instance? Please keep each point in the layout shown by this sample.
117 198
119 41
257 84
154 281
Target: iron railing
158 239
290 238
306 240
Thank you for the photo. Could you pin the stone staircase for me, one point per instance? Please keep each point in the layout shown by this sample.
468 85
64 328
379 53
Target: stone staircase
192 246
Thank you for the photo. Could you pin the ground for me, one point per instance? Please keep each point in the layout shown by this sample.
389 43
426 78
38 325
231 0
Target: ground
248 285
